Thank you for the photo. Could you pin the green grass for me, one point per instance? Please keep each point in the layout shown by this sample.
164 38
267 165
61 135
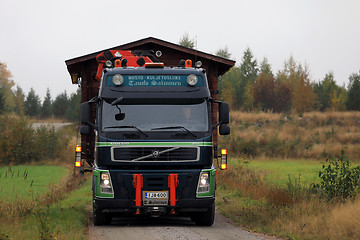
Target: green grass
259 195
26 182
277 172
66 217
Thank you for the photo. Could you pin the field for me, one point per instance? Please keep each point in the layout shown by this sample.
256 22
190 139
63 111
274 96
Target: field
26 182
313 135
43 202
274 164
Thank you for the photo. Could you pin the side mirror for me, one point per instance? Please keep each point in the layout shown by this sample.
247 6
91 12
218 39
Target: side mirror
86 113
224 129
85 130
224 113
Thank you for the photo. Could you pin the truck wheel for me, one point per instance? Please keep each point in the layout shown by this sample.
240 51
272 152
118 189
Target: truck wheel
204 218
100 218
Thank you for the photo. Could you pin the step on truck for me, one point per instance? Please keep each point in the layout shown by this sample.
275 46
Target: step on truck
153 139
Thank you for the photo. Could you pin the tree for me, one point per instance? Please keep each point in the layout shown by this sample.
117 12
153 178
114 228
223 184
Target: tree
303 96
338 99
185 41
296 78
227 83
60 105
6 83
19 101
72 113
46 109
248 98
282 99
323 90
223 52
32 104
353 98
248 73
2 101
264 88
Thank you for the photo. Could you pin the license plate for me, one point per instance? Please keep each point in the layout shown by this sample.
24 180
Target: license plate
155 198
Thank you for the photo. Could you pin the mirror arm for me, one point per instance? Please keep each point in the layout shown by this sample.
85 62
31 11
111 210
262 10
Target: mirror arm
215 126
94 100
93 125
214 100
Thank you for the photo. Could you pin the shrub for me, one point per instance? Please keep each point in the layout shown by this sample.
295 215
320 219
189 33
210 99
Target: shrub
20 143
338 179
247 148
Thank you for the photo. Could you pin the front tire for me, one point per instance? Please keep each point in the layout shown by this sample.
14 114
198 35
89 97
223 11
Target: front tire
204 218
100 218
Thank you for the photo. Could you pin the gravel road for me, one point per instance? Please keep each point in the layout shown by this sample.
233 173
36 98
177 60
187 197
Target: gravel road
166 228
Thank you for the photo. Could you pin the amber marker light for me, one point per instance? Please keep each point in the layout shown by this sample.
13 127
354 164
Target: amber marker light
78 156
223 165
78 149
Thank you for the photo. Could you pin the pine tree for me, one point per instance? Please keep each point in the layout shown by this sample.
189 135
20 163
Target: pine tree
19 101
353 100
46 109
248 73
32 104
223 52
72 113
60 105
185 41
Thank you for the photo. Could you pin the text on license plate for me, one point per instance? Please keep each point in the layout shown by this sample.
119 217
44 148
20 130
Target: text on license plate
155 195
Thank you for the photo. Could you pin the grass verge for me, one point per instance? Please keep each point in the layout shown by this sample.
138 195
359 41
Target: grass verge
261 196
59 213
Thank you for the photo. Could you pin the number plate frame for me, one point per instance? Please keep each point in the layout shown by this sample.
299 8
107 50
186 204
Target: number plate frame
155 198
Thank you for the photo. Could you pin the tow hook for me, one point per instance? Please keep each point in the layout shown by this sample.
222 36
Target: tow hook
155 211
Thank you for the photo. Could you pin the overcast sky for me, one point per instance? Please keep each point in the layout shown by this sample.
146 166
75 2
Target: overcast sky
37 36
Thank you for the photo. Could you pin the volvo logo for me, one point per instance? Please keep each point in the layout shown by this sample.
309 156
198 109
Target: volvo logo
155 153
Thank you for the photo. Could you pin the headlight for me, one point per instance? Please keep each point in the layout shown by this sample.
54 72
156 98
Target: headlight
204 182
192 80
118 79
105 183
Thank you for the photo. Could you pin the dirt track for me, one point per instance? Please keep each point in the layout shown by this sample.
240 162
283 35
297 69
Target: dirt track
166 228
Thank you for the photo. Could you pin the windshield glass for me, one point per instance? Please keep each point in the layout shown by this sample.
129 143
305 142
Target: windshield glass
189 117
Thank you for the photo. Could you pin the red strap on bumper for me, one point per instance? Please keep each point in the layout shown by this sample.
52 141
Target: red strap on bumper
173 183
138 184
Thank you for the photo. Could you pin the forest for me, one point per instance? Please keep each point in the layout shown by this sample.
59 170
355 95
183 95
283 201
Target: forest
13 100
255 87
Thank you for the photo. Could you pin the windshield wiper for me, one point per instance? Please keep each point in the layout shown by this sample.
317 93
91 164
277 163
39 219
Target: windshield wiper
139 130
175 127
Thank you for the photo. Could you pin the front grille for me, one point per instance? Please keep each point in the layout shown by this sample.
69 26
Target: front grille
157 154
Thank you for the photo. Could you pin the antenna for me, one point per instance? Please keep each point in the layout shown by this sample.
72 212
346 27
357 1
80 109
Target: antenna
196 49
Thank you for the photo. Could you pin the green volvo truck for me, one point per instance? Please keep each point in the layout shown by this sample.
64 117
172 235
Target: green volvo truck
153 135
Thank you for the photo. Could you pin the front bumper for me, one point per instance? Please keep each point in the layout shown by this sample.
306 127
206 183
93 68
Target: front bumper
127 206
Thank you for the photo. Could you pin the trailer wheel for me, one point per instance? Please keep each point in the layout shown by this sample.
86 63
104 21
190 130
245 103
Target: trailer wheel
204 218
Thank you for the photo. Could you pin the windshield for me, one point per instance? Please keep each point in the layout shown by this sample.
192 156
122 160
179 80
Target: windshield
189 117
